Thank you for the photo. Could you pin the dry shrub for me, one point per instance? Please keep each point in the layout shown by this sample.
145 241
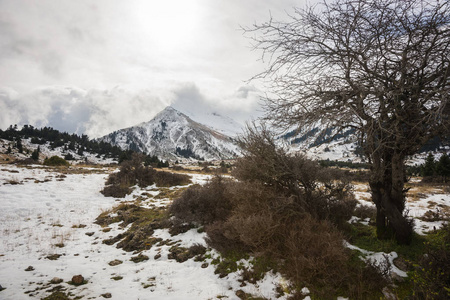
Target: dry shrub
284 208
133 172
116 191
365 211
320 191
203 205
313 253
166 179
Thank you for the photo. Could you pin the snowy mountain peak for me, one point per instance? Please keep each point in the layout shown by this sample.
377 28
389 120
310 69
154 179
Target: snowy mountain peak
173 135
169 112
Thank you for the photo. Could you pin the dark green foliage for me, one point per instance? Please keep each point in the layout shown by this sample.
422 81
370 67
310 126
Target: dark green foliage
35 153
155 162
56 161
19 145
36 140
443 167
428 169
58 139
69 156
433 170
80 151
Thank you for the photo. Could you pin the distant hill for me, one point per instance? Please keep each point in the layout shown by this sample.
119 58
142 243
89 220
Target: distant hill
21 142
324 143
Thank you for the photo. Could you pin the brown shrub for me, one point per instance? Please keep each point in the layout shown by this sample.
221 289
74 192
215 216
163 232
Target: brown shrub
166 179
285 208
313 253
365 211
116 191
323 192
203 205
134 172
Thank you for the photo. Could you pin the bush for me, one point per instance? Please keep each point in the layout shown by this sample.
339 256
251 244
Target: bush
285 209
133 172
56 161
323 192
115 191
203 204
431 277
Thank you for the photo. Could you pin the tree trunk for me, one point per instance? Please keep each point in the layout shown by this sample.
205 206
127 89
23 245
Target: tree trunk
387 187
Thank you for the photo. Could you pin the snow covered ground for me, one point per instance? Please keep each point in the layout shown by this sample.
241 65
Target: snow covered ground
418 203
45 214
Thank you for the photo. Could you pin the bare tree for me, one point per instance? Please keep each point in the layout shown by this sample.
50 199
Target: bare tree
378 66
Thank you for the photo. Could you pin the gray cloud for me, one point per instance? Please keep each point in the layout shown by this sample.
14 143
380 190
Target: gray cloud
94 68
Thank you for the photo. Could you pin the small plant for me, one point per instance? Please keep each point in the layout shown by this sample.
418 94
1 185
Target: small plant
58 296
139 258
56 161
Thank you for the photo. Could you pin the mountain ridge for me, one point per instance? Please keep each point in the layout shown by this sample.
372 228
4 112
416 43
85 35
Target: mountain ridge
173 135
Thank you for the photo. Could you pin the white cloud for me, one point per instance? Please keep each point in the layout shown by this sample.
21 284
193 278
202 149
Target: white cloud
123 61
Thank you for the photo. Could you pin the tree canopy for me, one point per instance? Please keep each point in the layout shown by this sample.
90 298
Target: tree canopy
381 67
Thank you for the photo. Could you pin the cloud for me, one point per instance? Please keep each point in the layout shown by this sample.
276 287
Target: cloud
94 112
118 108
93 68
242 105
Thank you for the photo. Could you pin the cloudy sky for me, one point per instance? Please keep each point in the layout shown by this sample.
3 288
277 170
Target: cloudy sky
100 65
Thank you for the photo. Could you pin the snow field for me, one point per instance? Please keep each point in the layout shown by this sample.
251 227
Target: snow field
48 214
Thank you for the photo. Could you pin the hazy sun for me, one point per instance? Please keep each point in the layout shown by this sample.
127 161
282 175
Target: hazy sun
169 23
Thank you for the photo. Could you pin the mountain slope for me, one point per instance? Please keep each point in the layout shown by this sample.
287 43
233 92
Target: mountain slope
173 135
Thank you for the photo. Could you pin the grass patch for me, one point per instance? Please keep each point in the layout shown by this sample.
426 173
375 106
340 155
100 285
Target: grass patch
426 259
58 296
365 237
144 222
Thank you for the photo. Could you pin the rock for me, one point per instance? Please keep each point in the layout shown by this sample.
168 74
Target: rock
89 233
402 264
53 256
396 278
56 280
78 279
205 265
157 256
388 295
2 288
30 268
115 262
106 295
241 294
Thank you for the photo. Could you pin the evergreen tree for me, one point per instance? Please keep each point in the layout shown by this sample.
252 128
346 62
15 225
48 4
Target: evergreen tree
443 166
35 154
80 151
429 167
19 145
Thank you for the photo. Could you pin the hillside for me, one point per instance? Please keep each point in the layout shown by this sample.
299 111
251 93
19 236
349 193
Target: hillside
19 144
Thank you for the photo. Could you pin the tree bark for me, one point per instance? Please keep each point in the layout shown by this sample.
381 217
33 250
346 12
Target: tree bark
387 187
